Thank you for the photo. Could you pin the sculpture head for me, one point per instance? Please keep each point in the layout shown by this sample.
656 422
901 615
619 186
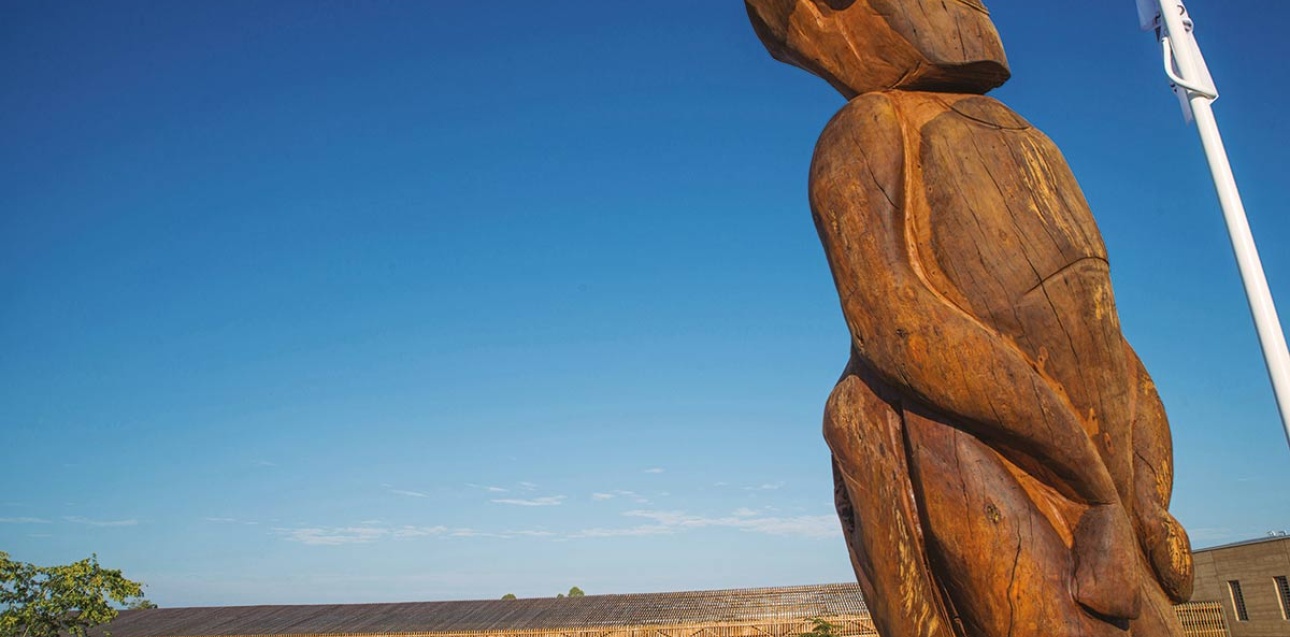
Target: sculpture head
870 45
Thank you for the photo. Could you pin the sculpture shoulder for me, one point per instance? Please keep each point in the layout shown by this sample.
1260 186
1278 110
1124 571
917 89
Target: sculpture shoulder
879 116
861 149
881 131
869 120
987 112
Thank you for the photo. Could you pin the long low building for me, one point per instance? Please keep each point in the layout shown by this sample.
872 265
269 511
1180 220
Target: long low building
751 612
1251 580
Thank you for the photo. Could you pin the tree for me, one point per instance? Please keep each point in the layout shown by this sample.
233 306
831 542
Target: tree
821 628
576 592
509 596
49 601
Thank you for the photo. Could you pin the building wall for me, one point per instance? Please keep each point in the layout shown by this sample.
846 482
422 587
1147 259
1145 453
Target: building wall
1254 564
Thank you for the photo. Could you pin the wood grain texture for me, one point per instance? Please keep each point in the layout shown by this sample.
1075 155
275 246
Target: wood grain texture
933 45
1001 458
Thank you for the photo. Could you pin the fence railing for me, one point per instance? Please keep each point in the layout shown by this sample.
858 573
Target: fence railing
1202 619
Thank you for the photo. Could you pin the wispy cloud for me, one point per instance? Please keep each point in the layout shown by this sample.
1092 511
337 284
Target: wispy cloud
361 534
488 488
601 496
221 520
528 486
1213 534
545 501
475 533
100 523
333 536
634 531
417 531
411 494
375 531
265 463
651 523
654 470
23 521
746 520
503 535
769 486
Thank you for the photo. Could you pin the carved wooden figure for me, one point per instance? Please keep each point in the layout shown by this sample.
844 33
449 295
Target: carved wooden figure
1001 458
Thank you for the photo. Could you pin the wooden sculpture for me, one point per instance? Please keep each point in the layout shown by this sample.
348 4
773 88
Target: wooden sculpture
1002 461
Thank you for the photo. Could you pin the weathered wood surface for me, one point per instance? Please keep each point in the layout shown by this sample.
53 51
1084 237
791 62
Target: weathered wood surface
931 45
1002 459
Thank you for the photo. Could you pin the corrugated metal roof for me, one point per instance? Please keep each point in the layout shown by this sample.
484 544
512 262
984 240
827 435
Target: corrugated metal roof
726 606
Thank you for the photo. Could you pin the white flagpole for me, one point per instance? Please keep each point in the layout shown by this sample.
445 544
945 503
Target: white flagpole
1186 69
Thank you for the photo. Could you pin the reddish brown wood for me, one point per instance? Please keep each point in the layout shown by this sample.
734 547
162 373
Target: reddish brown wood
1002 459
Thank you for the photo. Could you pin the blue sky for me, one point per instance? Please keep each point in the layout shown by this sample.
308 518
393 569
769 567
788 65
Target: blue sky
323 302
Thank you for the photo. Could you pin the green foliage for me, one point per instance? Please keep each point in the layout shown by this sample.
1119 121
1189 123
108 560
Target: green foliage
49 601
821 628
509 596
576 592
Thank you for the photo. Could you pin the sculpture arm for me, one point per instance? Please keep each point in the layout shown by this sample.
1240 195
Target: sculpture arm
916 339
1163 539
